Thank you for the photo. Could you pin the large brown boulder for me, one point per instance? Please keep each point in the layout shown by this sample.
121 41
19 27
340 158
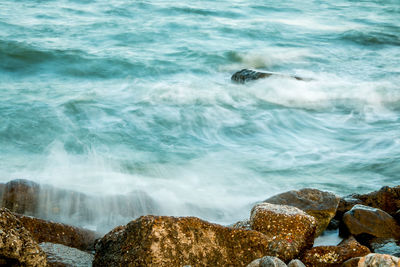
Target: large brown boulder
171 241
366 221
386 199
47 231
319 204
17 247
292 229
332 256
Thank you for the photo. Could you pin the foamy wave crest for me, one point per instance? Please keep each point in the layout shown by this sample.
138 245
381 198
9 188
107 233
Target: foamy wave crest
266 58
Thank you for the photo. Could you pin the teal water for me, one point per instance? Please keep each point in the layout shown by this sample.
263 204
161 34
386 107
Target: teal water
106 97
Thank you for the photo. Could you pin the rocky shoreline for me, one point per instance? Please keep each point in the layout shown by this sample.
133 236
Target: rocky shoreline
280 231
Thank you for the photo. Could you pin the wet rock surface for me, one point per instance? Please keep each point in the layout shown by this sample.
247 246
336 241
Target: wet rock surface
334 255
319 204
17 247
60 255
362 221
291 228
246 75
171 241
47 231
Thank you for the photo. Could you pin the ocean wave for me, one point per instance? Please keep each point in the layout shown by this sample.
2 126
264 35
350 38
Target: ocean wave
371 38
27 59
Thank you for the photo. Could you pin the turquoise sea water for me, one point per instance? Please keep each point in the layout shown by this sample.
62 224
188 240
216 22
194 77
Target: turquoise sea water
106 97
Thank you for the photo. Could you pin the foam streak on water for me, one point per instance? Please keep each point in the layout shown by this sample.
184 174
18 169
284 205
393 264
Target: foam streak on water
111 97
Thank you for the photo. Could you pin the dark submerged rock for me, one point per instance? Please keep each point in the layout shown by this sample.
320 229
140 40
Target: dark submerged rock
171 241
332 256
17 247
246 75
319 204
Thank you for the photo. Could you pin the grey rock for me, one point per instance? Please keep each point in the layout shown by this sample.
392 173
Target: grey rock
296 263
269 261
67 256
255 263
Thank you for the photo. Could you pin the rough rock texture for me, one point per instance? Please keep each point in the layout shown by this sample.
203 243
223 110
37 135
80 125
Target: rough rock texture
246 75
17 247
47 231
21 196
242 225
330 256
319 204
60 255
296 263
385 246
170 241
386 199
267 261
379 260
367 221
291 228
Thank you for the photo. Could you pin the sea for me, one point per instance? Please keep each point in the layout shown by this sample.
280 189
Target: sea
106 98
